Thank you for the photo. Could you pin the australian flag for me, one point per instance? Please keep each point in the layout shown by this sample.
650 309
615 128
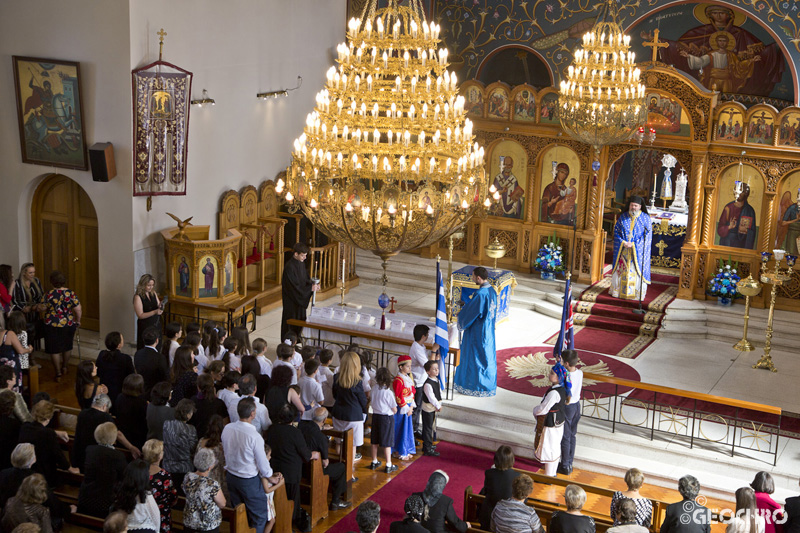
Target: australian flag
566 337
442 338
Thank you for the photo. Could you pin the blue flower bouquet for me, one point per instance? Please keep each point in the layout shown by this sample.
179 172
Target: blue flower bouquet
549 259
724 283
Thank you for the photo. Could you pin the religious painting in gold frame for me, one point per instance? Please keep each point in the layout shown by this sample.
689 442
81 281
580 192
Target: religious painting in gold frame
498 105
666 115
230 274
559 186
183 277
729 125
548 107
761 125
787 223
789 131
524 98
737 223
473 98
509 170
208 276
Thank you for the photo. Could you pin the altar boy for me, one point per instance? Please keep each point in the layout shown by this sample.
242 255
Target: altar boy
572 412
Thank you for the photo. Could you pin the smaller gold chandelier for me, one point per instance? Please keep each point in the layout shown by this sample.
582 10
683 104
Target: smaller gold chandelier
602 102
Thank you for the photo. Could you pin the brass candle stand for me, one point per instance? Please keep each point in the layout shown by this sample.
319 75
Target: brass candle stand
776 277
749 287
495 250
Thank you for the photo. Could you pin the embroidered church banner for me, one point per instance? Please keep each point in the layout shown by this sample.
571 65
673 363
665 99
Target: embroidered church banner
161 101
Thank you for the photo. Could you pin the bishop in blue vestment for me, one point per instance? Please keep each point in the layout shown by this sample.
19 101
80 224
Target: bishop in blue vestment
476 374
633 236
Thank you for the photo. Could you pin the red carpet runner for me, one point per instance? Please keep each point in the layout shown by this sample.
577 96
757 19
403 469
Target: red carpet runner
464 465
608 325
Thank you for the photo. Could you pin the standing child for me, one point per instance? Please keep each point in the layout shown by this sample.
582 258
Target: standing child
260 351
269 490
572 412
548 440
228 354
243 336
310 390
404 391
172 332
284 354
17 323
325 376
193 340
419 356
384 408
431 404
297 359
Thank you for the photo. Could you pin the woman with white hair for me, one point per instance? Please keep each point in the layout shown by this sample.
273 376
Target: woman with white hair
438 510
573 520
204 497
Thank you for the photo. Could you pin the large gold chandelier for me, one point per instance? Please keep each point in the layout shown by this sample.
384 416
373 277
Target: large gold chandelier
387 161
602 101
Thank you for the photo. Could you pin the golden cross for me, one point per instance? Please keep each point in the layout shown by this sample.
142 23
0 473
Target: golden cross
655 45
161 34
661 245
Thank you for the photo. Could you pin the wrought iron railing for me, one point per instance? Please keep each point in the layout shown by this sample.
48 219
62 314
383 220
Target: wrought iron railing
722 423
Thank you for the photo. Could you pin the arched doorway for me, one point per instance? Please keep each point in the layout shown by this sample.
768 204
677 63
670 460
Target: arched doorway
64 224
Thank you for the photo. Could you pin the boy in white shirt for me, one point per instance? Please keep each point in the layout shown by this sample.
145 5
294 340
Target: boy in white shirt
297 359
431 404
310 391
572 412
284 353
419 356
173 332
325 376
260 351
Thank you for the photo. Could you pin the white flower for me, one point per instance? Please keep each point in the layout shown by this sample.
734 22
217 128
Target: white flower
734 271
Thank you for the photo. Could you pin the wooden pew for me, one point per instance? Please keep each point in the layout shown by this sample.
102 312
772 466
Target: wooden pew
315 485
347 458
544 509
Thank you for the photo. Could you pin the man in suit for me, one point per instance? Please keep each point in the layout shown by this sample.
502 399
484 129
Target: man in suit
792 511
317 441
149 362
88 420
687 516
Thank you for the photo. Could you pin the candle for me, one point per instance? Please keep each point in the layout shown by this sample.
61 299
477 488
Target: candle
343 263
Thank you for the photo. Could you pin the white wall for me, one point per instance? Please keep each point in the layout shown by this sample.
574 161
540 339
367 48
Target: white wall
235 49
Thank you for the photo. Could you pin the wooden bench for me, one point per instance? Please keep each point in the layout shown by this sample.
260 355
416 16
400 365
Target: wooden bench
314 489
235 518
346 437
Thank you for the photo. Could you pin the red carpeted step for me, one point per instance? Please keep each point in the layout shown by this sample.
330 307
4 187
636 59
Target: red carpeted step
614 324
616 312
664 279
653 291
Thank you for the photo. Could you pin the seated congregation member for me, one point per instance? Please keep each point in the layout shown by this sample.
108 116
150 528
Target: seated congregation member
368 517
213 441
130 410
747 518
511 515
183 376
247 389
88 420
317 441
49 457
229 393
791 508
204 497
281 391
764 486
626 519
149 362
572 520
497 483
103 468
133 497
245 463
8 380
22 459
438 511
113 366
159 410
206 405
86 385
27 506
414 507
289 452
350 401
644 507
161 485
9 427
681 517
180 439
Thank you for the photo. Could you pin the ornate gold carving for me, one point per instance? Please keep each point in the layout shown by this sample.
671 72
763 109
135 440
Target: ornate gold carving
686 270
249 197
701 269
697 104
616 151
535 144
526 247
791 288
507 238
772 169
586 260
710 194
476 240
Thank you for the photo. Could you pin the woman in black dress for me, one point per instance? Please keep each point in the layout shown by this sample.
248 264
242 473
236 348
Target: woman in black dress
131 410
280 392
439 510
497 483
207 405
49 456
86 386
572 520
61 318
103 468
28 297
183 375
147 307
113 366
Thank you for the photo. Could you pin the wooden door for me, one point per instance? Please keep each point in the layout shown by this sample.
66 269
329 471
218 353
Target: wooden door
65 238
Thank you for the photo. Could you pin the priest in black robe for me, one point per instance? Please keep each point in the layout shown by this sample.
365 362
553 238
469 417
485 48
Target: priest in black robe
296 289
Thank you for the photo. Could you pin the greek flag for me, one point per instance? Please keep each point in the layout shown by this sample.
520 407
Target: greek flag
442 337
566 337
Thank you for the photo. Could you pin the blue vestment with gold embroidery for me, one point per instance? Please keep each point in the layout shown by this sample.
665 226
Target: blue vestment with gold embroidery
476 374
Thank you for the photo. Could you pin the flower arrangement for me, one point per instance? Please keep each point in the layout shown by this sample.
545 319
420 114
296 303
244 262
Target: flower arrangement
723 284
549 258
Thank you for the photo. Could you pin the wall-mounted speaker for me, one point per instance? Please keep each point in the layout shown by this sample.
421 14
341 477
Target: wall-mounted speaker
101 157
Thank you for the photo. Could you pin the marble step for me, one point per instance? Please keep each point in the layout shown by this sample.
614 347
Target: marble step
663 460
